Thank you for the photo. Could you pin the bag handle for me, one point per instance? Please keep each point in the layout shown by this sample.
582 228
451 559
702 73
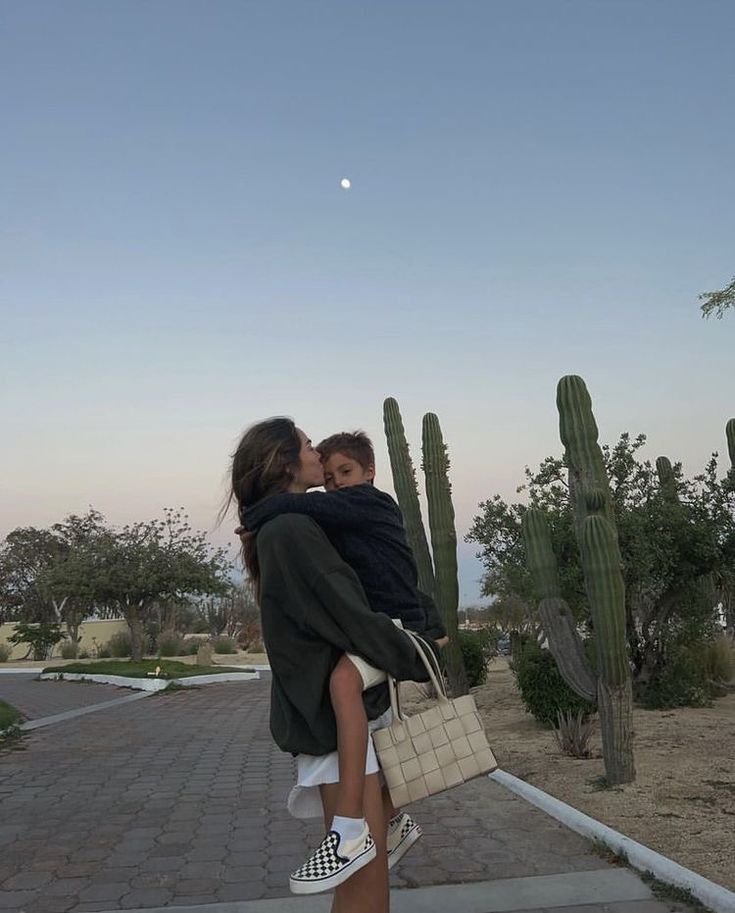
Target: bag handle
431 666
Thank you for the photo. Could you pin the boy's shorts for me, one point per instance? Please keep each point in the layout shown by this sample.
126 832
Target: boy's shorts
369 674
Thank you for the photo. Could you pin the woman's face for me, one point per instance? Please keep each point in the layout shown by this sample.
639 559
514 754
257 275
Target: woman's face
311 472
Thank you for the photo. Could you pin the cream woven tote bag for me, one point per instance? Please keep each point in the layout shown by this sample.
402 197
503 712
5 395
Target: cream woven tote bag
437 748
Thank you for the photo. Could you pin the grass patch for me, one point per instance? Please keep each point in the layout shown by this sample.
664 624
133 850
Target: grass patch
10 732
9 716
129 669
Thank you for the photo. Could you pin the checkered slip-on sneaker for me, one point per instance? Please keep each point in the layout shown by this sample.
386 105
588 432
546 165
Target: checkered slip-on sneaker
403 832
333 862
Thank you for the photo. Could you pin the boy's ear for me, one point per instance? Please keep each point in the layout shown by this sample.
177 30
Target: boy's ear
371 472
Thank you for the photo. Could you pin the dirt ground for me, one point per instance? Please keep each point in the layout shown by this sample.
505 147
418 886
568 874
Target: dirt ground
683 801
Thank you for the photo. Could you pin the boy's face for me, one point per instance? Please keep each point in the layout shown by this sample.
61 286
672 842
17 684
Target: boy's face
340 471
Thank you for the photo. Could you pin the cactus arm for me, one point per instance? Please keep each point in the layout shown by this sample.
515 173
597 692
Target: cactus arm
556 617
404 483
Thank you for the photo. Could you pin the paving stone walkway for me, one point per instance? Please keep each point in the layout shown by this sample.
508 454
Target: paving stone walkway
178 800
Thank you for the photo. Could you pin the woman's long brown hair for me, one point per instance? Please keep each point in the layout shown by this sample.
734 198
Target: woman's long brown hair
264 464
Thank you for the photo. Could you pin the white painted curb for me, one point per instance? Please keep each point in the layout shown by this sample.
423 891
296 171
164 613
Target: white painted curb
641 857
150 684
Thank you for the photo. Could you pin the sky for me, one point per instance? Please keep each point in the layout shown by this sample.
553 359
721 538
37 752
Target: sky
539 188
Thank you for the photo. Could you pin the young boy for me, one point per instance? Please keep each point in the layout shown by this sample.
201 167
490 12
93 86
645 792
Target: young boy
366 527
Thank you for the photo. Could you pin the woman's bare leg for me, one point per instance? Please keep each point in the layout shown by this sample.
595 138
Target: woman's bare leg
367 891
345 691
389 810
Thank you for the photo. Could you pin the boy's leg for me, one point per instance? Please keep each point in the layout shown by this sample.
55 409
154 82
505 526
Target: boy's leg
345 689
367 891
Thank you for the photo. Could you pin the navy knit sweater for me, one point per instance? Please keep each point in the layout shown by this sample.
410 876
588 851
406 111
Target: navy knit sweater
366 527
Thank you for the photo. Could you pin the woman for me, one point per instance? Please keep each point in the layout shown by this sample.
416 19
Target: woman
313 610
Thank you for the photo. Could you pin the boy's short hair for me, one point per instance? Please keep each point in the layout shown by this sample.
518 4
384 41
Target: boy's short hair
354 444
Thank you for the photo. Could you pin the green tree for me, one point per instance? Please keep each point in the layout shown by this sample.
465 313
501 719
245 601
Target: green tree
67 580
147 563
24 555
719 301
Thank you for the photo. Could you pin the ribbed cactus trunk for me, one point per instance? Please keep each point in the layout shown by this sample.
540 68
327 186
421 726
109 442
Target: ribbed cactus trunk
730 434
443 545
606 593
602 566
578 432
404 483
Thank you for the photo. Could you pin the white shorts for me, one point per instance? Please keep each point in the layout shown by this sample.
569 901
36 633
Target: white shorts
304 800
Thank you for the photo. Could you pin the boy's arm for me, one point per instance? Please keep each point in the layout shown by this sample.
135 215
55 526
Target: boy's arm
341 509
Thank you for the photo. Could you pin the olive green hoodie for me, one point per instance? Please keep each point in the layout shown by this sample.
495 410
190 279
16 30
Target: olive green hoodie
314 609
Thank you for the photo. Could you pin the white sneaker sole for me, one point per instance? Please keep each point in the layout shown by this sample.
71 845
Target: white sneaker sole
404 846
316 886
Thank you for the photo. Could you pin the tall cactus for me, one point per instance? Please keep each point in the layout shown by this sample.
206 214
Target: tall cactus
578 432
443 544
404 482
666 478
730 434
602 566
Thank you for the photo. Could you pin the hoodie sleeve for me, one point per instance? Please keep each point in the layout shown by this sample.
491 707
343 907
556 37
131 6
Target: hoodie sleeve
369 634
338 611
346 508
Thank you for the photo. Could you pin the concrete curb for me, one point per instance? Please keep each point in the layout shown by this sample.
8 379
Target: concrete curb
641 857
149 684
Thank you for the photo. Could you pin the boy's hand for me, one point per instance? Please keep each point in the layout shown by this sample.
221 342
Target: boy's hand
244 534
442 642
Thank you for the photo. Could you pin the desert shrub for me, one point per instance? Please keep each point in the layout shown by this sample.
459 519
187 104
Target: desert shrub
191 647
170 644
681 682
478 648
5 652
543 691
119 645
69 650
719 659
256 647
224 644
572 733
104 651
84 654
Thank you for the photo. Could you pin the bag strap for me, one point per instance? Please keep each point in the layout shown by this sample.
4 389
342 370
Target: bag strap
432 667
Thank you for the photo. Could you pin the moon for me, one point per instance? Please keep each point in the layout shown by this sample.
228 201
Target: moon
345 183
